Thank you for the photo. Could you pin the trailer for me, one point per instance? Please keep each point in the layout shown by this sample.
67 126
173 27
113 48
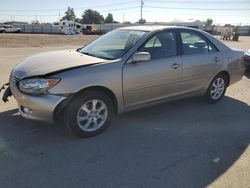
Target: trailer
70 27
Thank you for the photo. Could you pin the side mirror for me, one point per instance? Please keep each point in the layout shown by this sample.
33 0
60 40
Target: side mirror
140 57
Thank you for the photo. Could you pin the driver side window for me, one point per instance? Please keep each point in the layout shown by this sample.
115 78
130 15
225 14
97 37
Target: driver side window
161 45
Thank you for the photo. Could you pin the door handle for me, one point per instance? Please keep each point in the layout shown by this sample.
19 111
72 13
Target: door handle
175 66
215 59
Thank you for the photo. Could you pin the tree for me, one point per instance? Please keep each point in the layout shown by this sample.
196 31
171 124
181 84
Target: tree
35 22
78 20
208 22
109 18
69 15
92 17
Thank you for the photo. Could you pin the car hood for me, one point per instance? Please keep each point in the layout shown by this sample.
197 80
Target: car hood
49 62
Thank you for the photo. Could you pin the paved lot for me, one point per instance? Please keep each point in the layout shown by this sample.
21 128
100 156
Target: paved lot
181 144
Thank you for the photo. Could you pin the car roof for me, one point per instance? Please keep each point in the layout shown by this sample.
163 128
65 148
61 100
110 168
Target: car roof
149 28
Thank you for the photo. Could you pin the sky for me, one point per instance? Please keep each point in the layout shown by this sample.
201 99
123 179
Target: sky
235 12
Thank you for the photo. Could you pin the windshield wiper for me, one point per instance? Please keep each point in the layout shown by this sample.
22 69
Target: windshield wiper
93 55
87 53
78 49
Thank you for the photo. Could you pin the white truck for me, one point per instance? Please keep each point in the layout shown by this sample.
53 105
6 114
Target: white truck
9 29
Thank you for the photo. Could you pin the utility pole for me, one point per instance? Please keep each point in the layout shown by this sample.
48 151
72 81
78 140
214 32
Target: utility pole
142 3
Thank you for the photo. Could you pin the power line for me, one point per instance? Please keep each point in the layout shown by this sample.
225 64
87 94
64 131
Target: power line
197 14
195 8
141 6
119 9
63 9
47 15
29 15
151 4
200 2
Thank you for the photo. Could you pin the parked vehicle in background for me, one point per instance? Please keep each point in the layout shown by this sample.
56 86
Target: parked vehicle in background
90 30
230 34
9 29
70 27
125 69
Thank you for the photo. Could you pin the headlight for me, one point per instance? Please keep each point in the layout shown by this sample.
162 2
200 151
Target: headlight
37 86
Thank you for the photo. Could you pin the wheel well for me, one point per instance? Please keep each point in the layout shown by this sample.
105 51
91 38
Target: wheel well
60 108
226 74
105 90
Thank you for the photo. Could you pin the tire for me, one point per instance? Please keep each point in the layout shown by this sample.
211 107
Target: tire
3 31
217 88
84 120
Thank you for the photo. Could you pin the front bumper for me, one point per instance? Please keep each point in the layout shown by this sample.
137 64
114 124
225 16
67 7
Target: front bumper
35 107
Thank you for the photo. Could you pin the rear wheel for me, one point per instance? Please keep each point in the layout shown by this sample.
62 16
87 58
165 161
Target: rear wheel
89 114
217 88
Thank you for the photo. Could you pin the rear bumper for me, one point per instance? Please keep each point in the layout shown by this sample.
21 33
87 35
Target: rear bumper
36 107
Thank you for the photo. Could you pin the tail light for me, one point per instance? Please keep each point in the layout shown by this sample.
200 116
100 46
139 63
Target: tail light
246 58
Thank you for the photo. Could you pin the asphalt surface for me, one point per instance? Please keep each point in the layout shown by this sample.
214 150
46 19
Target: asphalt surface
187 143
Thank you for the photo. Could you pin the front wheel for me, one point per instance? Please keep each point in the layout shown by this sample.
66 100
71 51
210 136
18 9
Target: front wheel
217 89
89 113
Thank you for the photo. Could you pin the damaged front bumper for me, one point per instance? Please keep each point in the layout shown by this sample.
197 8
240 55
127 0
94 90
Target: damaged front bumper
32 107
7 93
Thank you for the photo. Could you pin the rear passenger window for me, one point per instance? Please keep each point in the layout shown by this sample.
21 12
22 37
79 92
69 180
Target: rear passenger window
193 43
161 45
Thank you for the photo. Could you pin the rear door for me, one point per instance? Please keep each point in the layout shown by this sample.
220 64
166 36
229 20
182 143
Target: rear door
158 78
198 64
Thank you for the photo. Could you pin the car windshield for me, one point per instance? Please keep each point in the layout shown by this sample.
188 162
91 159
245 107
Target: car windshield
113 45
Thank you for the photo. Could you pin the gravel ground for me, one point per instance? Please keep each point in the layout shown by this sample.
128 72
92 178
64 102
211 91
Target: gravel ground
187 143
16 40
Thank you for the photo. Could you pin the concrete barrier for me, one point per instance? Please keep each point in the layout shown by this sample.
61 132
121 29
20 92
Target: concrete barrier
39 28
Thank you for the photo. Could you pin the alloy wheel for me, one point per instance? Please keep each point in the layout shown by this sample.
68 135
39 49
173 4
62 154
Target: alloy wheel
92 115
217 88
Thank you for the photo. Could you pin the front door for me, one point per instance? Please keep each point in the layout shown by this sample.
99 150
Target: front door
158 78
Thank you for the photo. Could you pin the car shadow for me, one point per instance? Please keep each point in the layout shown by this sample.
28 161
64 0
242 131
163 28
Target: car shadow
187 143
